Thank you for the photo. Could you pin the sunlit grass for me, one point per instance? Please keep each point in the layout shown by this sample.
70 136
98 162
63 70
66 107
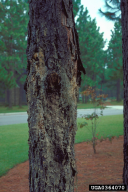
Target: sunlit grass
14 139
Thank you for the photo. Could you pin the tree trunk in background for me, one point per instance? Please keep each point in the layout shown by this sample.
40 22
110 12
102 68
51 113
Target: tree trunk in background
94 87
100 91
54 71
85 99
110 93
82 98
122 93
10 92
118 98
21 90
20 96
10 96
124 20
113 92
78 96
6 97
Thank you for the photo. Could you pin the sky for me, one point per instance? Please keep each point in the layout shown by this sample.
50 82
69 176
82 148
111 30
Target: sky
105 25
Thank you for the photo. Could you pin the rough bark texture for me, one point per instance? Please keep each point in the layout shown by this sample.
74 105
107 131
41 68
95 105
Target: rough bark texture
124 9
54 74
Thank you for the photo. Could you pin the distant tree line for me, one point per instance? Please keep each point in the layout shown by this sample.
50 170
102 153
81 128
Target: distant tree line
13 62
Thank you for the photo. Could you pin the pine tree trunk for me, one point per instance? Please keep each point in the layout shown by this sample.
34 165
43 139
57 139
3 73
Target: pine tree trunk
20 95
82 98
54 67
94 87
7 97
85 99
21 90
118 91
124 12
10 92
101 88
82 89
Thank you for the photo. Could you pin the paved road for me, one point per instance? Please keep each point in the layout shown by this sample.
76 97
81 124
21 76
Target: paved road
18 118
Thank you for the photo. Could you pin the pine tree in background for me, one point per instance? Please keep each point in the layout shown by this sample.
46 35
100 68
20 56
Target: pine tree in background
76 7
113 13
91 47
87 46
115 62
13 31
16 75
6 79
113 10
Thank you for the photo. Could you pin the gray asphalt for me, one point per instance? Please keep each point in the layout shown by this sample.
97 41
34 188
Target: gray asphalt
18 118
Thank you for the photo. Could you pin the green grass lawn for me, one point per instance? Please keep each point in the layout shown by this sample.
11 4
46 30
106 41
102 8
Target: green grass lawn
24 108
14 139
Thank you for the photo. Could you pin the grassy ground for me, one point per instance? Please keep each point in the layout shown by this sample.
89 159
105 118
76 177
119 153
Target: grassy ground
24 108
14 139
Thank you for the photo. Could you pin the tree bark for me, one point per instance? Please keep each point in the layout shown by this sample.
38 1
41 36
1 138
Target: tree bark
54 76
124 21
